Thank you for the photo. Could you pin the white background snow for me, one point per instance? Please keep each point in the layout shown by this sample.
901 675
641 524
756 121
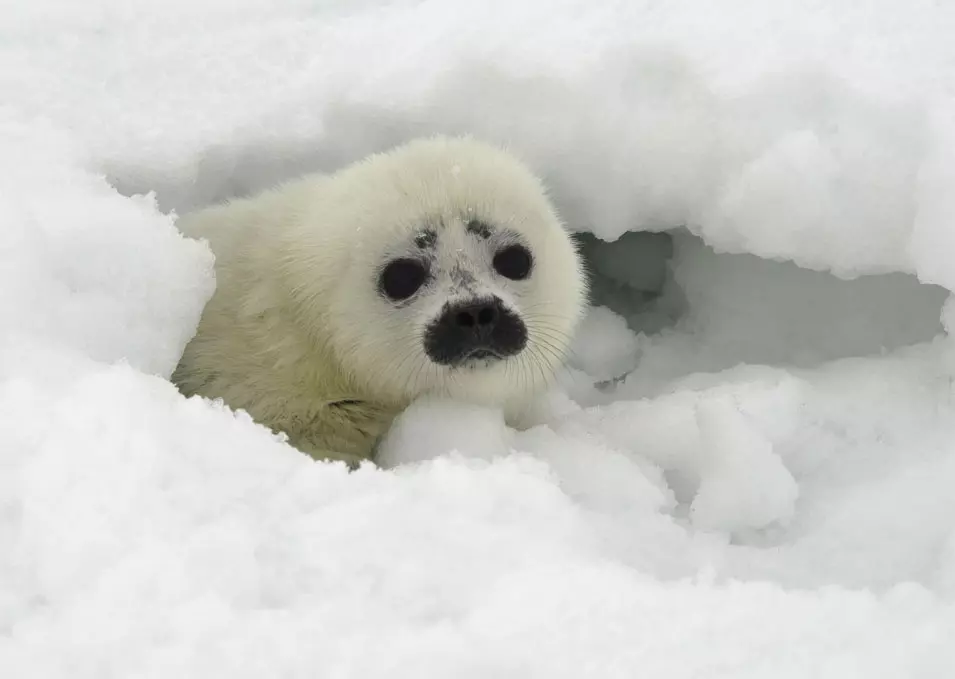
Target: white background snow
759 484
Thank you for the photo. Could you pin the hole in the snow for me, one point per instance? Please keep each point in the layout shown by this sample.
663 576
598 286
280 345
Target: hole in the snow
630 276
695 310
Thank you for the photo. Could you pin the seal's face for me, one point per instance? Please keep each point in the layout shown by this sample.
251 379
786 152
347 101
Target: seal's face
474 326
470 281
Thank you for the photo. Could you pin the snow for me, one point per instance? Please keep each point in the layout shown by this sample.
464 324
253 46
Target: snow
745 471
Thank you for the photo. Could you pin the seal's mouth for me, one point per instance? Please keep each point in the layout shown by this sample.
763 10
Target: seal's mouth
482 354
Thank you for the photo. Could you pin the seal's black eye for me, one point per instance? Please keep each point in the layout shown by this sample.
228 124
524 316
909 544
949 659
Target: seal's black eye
401 278
514 262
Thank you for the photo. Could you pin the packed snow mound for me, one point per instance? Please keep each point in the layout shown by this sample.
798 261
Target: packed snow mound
744 471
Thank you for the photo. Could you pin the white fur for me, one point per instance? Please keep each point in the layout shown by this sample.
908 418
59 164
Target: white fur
297 321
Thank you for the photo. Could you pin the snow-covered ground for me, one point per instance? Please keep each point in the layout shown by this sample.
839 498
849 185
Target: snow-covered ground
759 484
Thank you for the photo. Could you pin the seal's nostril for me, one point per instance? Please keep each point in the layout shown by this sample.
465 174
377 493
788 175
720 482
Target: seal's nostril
481 315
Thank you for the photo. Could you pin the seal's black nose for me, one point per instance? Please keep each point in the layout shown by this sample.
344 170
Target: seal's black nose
475 329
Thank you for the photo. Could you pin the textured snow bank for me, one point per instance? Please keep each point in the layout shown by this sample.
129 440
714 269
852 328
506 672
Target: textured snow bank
757 486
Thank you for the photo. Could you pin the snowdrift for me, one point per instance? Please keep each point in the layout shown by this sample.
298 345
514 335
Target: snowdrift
747 470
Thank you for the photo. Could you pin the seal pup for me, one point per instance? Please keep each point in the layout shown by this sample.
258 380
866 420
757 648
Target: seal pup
439 267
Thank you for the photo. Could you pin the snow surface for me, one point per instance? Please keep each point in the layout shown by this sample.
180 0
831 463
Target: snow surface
758 484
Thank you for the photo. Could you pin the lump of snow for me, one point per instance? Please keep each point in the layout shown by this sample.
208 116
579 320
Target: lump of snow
743 482
604 347
85 269
429 428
